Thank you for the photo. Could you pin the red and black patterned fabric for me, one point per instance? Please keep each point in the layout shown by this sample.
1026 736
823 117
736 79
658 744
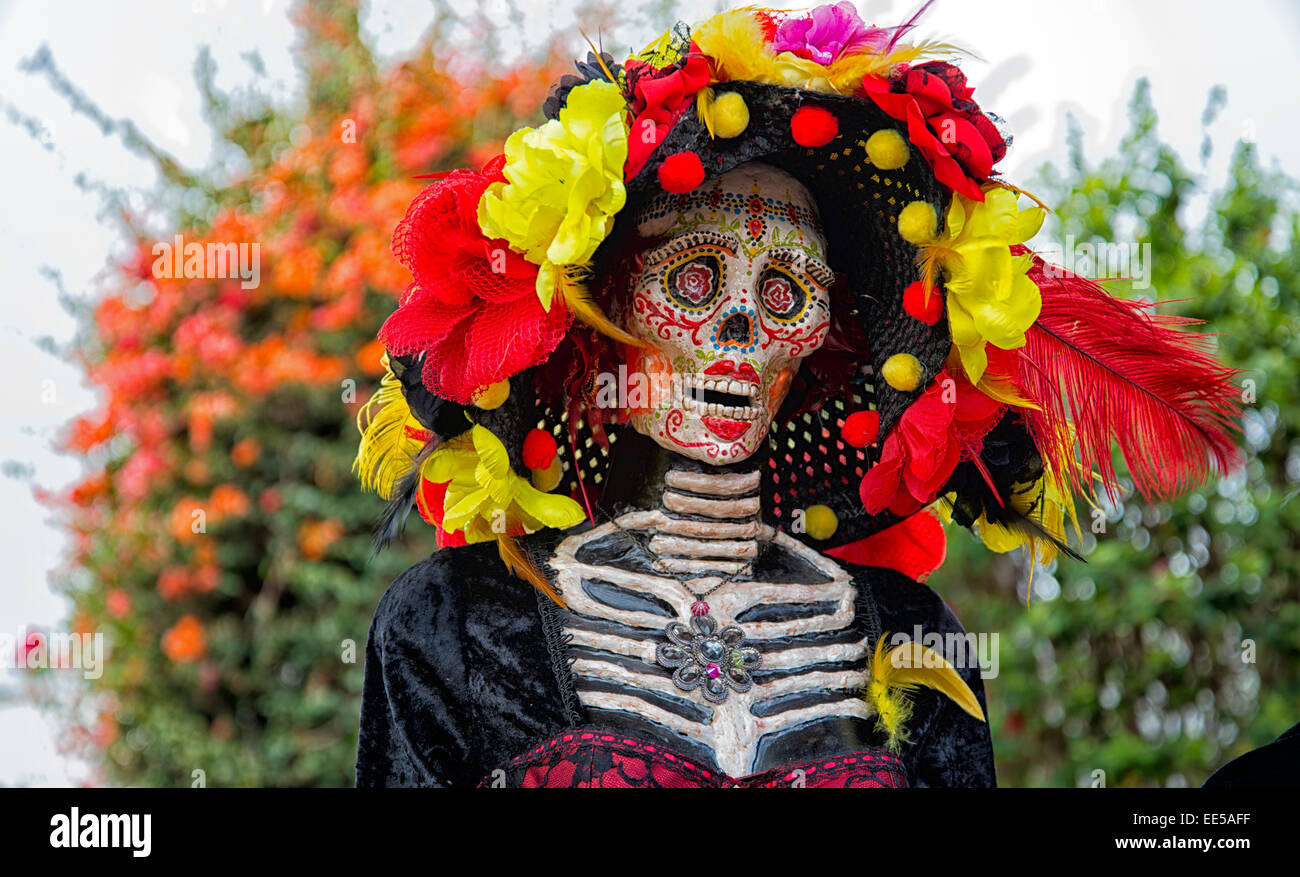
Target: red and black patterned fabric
588 759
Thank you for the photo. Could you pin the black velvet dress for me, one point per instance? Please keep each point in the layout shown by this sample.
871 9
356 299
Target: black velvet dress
468 683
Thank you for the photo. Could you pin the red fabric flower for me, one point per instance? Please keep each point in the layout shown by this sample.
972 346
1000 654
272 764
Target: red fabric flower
959 142
429 502
915 547
658 99
944 426
472 308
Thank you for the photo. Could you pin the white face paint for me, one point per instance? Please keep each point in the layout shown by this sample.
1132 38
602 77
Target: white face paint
729 304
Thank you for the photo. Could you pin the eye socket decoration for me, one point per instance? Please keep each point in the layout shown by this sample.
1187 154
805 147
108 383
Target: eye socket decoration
783 295
693 280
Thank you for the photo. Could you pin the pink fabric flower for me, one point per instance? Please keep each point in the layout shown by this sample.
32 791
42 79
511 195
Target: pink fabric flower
826 33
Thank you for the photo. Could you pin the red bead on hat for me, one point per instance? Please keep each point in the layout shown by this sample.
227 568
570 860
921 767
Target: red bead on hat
861 428
813 126
681 172
539 449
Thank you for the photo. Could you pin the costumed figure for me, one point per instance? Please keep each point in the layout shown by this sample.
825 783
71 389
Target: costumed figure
687 381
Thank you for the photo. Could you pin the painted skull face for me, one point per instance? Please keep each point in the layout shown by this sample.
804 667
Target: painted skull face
730 302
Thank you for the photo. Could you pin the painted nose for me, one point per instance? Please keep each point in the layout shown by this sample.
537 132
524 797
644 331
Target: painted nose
736 329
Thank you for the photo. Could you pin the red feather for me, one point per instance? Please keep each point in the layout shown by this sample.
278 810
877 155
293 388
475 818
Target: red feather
1121 372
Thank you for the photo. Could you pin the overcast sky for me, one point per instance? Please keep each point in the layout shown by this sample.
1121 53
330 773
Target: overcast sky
1037 61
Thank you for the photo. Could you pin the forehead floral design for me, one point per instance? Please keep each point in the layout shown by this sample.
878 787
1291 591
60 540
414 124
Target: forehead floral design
961 369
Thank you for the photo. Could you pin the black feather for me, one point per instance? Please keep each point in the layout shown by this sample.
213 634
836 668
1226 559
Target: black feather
1010 457
391 523
589 70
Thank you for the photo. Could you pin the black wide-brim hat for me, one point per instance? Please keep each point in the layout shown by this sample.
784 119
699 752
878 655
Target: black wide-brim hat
1066 380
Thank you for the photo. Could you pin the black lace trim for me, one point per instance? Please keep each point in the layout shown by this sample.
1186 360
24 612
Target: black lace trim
557 644
867 601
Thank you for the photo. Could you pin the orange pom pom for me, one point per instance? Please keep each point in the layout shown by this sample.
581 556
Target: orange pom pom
681 172
813 126
539 449
861 428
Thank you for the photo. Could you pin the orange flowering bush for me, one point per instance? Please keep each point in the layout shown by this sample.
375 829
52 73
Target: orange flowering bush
219 538
185 641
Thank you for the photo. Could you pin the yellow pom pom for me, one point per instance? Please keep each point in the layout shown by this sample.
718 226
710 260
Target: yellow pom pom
820 522
903 372
546 479
917 223
493 396
887 149
730 115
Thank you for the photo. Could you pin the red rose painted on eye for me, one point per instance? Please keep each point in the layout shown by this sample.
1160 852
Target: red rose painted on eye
694 283
777 295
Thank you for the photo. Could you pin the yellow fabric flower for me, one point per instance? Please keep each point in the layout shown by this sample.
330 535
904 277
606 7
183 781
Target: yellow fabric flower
564 184
990 298
485 498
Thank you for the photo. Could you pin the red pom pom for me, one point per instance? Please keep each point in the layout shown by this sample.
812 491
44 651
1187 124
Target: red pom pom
539 449
814 126
861 428
914 303
681 172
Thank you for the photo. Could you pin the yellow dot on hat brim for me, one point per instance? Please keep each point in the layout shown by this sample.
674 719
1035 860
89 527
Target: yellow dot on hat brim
917 223
730 115
547 479
903 372
887 149
820 522
493 396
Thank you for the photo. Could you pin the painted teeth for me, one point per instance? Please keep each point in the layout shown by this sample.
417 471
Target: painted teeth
721 385
712 409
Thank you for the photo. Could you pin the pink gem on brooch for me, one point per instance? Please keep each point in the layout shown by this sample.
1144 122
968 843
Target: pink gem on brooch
701 656
699 608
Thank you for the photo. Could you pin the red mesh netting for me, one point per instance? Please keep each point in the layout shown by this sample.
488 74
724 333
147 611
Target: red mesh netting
473 309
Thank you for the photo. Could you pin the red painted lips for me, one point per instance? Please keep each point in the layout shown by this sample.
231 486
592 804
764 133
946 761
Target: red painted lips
728 369
725 427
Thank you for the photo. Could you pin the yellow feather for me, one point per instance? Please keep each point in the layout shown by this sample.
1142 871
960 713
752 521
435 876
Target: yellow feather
391 437
997 387
704 108
848 71
735 41
574 291
930 259
520 564
599 58
1002 184
1000 388
904 668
